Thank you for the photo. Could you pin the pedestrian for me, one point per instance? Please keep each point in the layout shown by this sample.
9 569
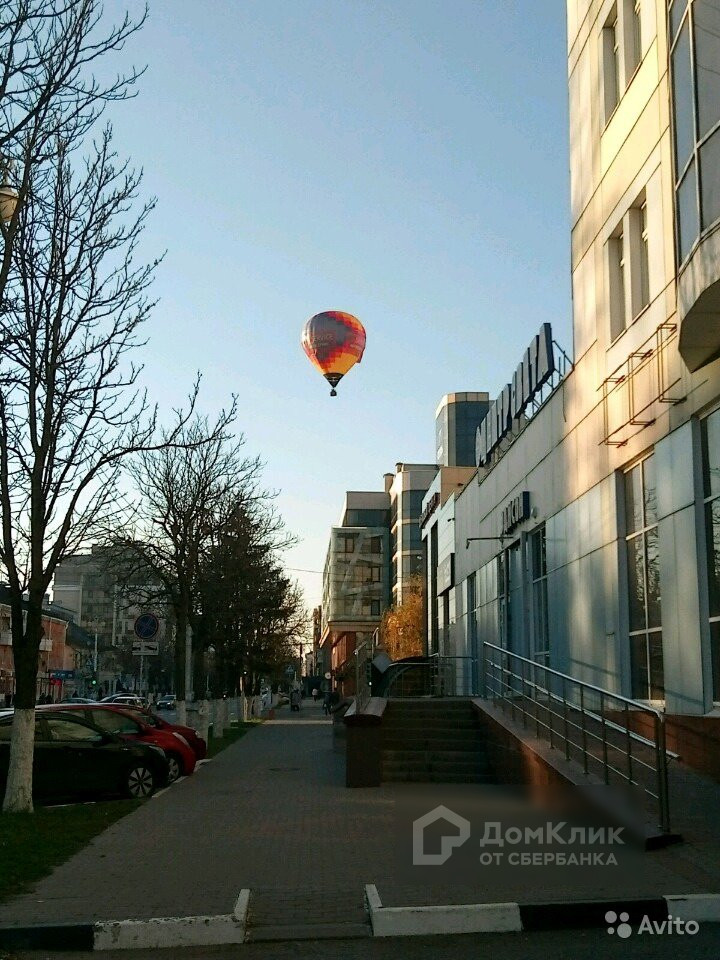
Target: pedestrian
315 694
326 704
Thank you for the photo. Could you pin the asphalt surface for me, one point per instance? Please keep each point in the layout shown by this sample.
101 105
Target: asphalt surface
272 813
558 945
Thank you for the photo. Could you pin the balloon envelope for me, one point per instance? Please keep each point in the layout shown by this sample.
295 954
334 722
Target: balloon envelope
334 341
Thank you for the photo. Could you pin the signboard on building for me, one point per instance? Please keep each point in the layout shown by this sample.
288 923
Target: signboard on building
515 511
536 368
446 573
430 508
62 674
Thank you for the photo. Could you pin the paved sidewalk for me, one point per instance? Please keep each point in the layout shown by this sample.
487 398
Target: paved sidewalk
272 813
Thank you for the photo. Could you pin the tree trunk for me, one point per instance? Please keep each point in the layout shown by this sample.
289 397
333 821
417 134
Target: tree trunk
180 628
26 645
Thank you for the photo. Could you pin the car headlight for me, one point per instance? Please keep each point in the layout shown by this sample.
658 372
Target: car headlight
196 732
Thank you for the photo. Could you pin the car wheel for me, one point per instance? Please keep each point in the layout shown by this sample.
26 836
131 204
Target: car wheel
174 767
140 782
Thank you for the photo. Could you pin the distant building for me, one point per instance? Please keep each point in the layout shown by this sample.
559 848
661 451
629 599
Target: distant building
356 581
456 421
57 663
407 488
88 585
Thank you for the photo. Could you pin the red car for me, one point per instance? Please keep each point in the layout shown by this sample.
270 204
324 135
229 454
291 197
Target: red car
196 742
128 723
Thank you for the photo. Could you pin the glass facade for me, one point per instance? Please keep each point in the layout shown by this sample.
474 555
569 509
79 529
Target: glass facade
455 429
356 581
538 563
694 59
710 432
643 571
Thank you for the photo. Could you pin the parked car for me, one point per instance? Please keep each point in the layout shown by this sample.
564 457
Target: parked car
77 700
127 723
126 699
75 758
167 702
197 744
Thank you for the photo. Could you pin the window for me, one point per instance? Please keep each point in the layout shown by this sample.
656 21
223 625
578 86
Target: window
611 62
629 267
710 433
643 570
72 730
694 58
113 722
634 49
643 258
538 556
616 264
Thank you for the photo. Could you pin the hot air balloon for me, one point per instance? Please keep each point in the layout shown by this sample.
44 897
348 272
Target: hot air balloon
334 341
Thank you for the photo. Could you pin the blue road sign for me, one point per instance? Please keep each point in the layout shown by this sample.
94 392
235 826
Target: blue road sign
146 626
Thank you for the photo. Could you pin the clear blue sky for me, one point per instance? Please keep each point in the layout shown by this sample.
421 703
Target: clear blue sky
405 161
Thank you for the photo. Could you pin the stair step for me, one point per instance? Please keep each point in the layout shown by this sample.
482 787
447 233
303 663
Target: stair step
396 741
435 756
420 777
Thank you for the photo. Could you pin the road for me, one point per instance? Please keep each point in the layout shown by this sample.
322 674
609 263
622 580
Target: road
558 945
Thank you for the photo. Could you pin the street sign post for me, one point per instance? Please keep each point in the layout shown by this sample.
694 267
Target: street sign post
146 627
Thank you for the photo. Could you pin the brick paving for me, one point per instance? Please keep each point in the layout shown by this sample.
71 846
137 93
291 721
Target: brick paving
272 813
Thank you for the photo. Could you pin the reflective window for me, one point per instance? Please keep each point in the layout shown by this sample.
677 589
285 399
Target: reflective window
706 22
688 216
114 722
710 435
643 581
696 118
683 100
72 730
677 10
710 177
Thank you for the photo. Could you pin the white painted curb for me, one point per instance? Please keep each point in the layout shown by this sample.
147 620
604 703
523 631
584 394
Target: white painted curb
167 932
455 918
704 907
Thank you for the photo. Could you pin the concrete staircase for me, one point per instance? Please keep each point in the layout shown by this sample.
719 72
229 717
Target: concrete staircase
433 741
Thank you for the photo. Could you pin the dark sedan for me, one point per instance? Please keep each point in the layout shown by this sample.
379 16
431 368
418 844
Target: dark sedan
73 757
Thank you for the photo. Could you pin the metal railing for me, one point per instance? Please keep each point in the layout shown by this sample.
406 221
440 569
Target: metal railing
591 725
434 676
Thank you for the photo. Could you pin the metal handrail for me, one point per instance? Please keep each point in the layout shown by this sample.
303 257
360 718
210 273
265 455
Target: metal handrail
440 673
509 678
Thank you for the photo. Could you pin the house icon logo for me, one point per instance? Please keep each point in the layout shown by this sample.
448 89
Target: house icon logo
447 843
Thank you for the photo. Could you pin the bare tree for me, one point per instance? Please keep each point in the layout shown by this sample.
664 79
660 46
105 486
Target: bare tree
72 302
186 494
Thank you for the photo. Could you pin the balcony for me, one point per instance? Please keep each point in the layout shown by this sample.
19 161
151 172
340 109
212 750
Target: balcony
699 304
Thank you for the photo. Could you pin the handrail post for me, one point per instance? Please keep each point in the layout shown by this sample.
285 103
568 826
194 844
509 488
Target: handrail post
565 718
535 699
628 743
604 738
663 798
522 693
584 729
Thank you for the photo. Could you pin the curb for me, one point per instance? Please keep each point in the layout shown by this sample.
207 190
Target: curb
152 934
168 932
515 917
